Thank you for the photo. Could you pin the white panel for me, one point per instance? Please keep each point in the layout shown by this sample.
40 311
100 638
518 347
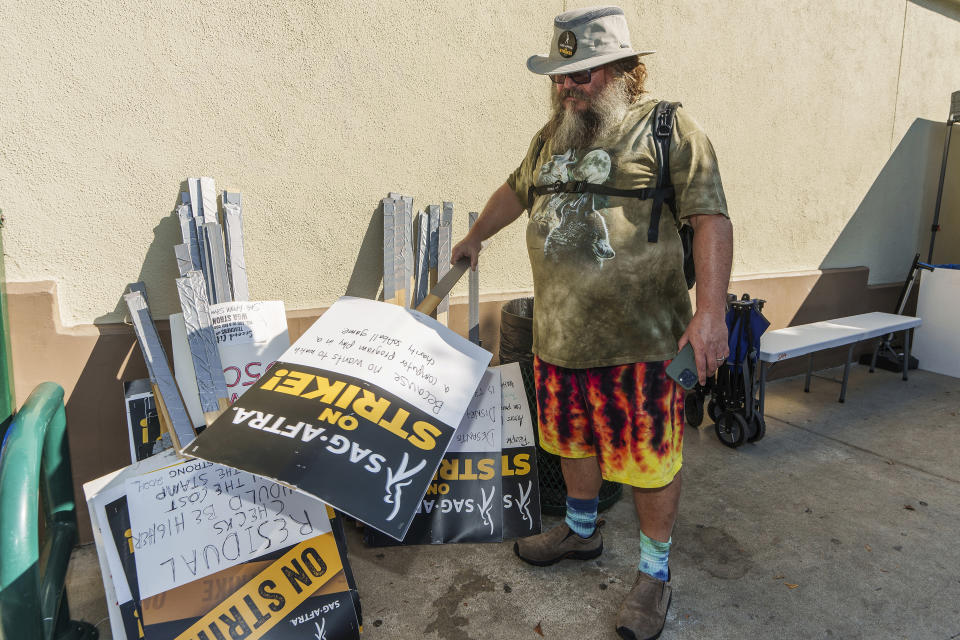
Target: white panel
937 343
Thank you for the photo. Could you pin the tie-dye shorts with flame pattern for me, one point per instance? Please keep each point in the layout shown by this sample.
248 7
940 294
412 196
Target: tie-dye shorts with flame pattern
629 416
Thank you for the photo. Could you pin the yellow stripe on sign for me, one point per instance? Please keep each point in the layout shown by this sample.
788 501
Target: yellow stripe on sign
276 591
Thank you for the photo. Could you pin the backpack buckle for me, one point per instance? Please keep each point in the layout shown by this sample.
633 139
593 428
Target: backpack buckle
663 124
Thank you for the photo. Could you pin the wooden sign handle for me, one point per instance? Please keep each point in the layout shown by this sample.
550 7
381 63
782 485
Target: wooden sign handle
442 288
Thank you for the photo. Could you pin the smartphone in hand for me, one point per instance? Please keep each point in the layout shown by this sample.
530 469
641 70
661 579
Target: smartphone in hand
683 368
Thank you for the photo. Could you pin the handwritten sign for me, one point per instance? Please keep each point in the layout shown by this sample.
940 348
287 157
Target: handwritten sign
106 503
399 350
196 518
250 337
358 412
247 322
479 431
521 489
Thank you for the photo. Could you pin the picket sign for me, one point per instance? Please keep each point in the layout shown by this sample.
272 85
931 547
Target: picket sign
196 518
171 533
147 436
463 501
521 483
486 488
170 407
358 412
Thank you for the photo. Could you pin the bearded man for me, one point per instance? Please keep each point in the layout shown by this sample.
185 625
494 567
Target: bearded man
611 306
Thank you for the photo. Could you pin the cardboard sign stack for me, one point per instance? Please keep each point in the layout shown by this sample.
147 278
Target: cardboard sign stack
378 410
366 410
190 549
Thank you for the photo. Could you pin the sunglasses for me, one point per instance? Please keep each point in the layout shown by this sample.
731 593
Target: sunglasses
579 77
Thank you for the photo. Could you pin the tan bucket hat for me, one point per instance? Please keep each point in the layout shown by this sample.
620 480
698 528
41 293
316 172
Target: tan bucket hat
584 39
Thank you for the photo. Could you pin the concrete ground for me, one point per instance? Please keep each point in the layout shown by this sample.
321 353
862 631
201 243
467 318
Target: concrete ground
842 523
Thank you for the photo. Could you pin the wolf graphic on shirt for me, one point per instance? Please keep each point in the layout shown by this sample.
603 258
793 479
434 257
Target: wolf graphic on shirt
573 222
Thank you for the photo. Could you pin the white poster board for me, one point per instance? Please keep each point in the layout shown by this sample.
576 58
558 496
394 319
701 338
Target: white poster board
521 491
517 421
480 429
936 343
401 351
98 494
196 518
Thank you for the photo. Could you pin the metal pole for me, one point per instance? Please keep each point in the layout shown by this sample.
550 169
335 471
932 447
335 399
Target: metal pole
763 385
7 402
846 373
943 170
906 352
473 300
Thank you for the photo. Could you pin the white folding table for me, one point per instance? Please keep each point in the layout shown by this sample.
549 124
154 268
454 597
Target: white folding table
805 339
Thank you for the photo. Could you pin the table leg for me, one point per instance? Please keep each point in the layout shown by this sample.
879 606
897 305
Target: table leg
873 359
846 372
906 352
806 383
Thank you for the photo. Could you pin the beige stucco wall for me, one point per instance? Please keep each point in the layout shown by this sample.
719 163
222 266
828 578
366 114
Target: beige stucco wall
827 117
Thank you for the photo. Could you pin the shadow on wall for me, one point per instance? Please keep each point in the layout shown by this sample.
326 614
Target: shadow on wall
367 274
890 225
99 442
893 220
95 409
946 247
946 8
159 268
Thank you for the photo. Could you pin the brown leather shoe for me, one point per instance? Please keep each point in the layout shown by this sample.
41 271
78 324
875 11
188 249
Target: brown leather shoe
644 610
556 544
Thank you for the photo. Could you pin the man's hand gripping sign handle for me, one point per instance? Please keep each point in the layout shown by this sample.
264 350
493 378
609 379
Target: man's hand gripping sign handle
445 285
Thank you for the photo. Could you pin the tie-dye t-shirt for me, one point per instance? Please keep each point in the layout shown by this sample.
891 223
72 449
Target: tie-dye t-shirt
603 294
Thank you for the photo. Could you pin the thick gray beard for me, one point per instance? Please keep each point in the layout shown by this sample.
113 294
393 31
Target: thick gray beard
580 129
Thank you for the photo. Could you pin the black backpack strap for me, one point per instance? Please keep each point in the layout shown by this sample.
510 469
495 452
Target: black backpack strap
532 190
663 118
600 189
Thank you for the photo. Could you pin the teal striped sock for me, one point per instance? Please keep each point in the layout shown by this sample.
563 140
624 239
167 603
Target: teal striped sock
654 557
582 516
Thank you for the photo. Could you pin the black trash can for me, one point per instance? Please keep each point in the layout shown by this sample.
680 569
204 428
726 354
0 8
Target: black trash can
516 341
